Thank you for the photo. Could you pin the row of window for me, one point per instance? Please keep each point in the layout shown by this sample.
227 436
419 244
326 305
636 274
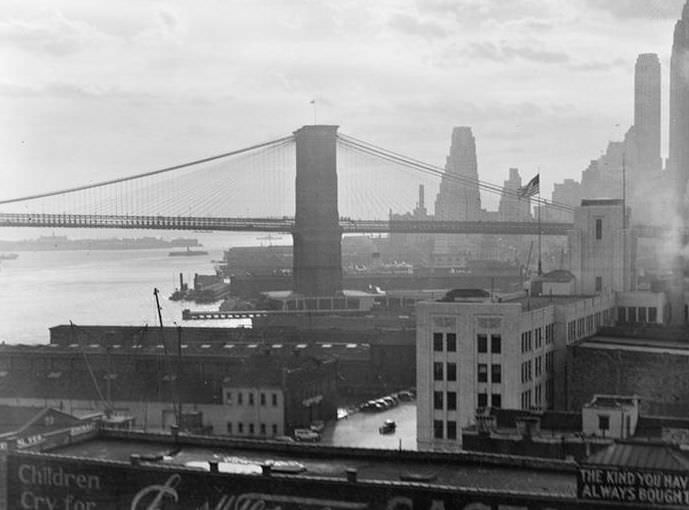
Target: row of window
495 400
445 401
538 400
444 372
444 429
250 399
537 337
449 343
637 315
495 343
251 429
585 326
495 373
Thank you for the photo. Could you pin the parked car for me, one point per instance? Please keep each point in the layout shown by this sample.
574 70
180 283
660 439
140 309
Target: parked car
391 402
405 396
388 427
306 435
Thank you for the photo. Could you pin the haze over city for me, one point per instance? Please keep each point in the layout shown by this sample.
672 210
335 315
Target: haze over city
93 91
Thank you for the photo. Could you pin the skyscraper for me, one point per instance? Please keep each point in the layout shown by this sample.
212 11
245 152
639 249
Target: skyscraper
459 198
679 107
647 114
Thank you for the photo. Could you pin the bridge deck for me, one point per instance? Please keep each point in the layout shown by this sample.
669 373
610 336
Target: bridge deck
287 225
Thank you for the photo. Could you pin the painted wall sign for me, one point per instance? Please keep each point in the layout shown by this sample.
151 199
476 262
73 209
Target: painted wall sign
40 482
632 486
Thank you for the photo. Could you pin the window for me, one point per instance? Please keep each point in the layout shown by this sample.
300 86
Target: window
621 316
483 399
451 342
496 400
240 398
603 422
438 429
482 341
538 395
437 342
452 371
599 229
642 314
631 314
263 399
438 400
275 429
482 372
451 399
437 371
263 429
228 398
240 427
251 399
229 427
452 430
528 370
274 397
652 314
599 283
495 344
251 429
495 373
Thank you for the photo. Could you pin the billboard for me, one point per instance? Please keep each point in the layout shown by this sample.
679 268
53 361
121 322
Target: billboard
650 488
48 482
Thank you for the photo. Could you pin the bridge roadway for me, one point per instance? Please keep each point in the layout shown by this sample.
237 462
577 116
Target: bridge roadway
287 225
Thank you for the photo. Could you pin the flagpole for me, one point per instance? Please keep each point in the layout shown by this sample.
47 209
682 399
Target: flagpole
540 265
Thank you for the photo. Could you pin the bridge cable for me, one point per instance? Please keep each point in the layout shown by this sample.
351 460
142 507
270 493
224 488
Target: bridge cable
434 170
147 174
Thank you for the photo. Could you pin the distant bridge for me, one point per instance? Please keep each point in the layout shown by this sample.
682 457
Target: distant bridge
287 225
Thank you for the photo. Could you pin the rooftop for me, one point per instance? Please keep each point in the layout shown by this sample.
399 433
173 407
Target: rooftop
475 470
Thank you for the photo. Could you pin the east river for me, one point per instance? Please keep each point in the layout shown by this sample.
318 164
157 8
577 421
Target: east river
42 289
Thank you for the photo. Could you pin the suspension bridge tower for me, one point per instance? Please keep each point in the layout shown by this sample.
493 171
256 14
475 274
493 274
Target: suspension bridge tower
317 236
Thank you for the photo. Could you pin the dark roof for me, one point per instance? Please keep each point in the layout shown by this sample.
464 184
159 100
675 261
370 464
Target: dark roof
641 455
562 421
652 426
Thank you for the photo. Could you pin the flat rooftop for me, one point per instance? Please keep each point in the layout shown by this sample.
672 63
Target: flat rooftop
536 302
474 470
650 345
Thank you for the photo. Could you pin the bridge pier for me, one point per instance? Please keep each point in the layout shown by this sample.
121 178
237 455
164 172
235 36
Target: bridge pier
317 236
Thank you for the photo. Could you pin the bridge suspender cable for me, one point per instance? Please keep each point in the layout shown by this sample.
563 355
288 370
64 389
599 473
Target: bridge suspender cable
153 172
433 170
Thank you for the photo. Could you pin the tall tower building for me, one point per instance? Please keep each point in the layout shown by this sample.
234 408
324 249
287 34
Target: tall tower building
459 198
511 207
647 113
679 107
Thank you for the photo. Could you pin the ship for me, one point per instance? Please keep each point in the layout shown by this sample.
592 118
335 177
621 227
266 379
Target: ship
8 256
187 253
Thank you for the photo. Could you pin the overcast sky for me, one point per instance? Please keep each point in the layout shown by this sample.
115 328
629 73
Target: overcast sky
92 90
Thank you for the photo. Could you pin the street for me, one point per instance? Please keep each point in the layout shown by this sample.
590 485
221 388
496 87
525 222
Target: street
361 429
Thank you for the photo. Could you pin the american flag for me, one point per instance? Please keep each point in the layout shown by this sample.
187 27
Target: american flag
531 189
